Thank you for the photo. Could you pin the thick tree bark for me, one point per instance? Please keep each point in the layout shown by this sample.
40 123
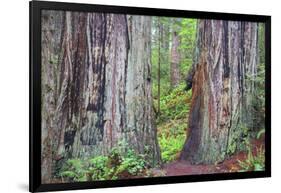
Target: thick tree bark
139 101
50 55
221 90
101 88
175 60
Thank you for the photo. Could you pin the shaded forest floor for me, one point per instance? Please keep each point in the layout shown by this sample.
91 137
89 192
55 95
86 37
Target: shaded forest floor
232 164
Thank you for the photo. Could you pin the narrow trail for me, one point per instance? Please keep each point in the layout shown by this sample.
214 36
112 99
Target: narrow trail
178 168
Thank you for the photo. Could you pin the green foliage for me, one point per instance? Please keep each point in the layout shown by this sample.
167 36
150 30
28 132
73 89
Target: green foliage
188 38
132 163
262 131
253 162
172 122
119 163
171 146
186 29
74 169
98 168
175 104
187 35
232 146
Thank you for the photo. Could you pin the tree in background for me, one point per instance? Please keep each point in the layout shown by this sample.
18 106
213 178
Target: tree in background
162 34
160 39
222 90
175 55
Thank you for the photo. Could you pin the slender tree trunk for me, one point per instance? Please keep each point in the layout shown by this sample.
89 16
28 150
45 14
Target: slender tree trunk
221 90
166 38
175 59
100 90
159 64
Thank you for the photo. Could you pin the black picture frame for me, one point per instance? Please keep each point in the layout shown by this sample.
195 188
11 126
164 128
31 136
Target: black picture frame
35 8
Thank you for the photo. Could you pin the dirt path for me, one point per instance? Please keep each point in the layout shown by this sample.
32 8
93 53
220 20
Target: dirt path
231 164
178 168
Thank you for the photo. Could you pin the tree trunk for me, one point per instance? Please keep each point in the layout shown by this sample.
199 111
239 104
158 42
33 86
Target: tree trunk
221 90
160 40
50 54
139 100
175 59
101 88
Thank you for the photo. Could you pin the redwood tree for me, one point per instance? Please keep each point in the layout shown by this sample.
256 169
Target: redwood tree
141 127
98 90
221 90
50 51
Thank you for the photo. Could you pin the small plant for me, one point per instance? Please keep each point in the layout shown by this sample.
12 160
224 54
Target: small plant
132 163
98 168
171 137
172 122
260 133
170 147
175 104
253 162
118 164
74 170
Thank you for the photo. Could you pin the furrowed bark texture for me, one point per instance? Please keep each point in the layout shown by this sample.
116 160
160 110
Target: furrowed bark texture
221 90
101 88
140 116
50 52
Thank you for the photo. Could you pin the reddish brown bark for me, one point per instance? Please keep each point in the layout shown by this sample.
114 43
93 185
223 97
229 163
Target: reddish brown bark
221 90
102 70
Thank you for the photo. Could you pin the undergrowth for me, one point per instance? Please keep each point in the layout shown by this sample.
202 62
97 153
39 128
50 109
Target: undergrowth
117 165
254 161
172 122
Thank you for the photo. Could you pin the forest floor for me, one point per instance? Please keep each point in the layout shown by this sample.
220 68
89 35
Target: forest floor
178 168
239 162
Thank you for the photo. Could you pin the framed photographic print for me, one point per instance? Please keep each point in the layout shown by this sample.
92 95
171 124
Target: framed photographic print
125 96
